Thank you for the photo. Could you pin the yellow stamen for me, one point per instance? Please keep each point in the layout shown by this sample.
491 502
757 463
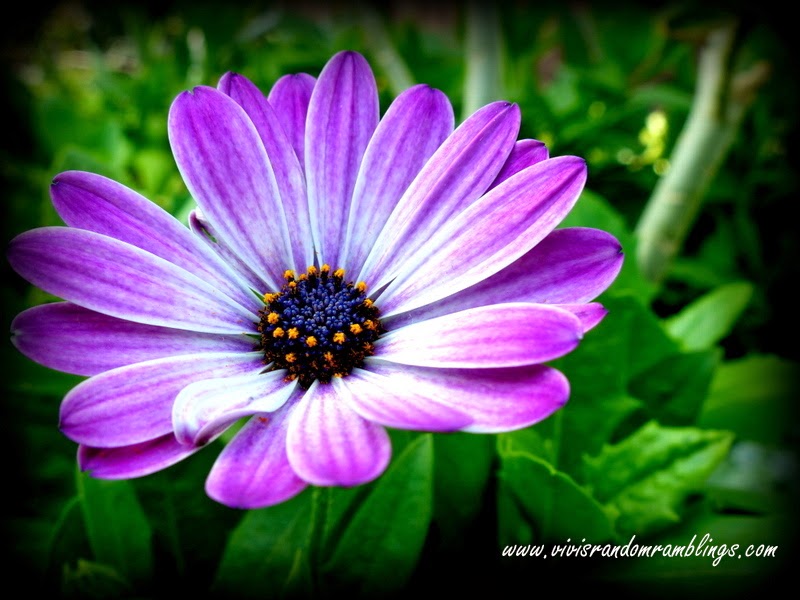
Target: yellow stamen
325 268
273 318
312 270
311 341
361 286
338 273
278 332
370 324
328 357
293 333
290 357
269 298
302 277
288 274
292 284
368 303
355 328
338 337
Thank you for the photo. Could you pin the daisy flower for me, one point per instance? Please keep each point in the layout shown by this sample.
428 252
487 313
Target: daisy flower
343 273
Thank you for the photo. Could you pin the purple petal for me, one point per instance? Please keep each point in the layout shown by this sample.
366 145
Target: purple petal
253 470
133 404
330 444
224 164
93 202
205 408
496 399
290 97
120 280
569 266
135 460
489 235
209 236
342 116
500 335
415 125
288 172
526 153
590 314
72 339
381 400
454 178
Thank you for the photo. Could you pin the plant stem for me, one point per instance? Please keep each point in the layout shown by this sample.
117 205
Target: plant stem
482 81
719 104
385 54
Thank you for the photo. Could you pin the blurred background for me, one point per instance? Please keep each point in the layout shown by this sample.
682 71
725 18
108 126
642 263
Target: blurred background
682 419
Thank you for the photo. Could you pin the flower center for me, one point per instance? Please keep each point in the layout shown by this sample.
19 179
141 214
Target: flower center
318 326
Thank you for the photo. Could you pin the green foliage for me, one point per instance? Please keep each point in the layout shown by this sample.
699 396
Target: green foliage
680 418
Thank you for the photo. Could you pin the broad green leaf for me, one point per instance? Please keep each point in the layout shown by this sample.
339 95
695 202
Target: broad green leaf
710 318
462 467
175 503
68 541
117 527
675 388
753 397
648 475
268 553
557 507
629 341
381 545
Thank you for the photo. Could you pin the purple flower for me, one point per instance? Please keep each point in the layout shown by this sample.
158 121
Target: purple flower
342 274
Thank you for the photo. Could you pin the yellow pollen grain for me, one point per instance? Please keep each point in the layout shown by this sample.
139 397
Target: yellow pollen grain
293 333
325 268
340 375
328 357
338 273
273 318
269 298
302 277
311 341
368 303
290 357
292 284
312 270
338 337
370 324
361 286
288 274
278 332
355 328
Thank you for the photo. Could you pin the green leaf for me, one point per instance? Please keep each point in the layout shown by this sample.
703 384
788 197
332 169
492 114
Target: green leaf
68 541
462 468
118 531
381 545
555 505
753 397
710 318
648 476
675 388
268 553
629 341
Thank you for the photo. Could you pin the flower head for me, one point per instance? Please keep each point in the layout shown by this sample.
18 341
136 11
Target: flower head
343 273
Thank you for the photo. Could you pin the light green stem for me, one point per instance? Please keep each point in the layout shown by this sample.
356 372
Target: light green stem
484 60
385 54
719 104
